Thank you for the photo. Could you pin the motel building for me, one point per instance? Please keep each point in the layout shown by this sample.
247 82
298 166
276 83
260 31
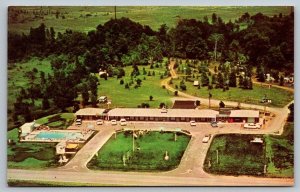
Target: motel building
239 116
169 115
91 114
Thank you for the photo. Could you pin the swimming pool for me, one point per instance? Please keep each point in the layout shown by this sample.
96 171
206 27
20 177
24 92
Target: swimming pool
58 135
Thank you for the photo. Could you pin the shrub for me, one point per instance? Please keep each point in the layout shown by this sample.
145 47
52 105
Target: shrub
121 82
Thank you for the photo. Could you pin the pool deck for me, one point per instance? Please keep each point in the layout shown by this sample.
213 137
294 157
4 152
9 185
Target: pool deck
32 136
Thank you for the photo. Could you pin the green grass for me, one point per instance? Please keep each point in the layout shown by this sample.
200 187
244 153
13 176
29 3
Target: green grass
279 97
32 183
29 155
150 157
61 120
280 153
132 97
154 16
236 156
18 80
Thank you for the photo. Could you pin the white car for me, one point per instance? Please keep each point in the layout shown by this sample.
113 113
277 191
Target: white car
113 122
192 123
78 122
99 122
123 122
252 126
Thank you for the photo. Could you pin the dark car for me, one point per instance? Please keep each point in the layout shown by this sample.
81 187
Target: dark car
214 124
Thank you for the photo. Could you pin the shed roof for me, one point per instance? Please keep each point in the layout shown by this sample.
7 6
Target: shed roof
89 112
244 113
184 104
144 112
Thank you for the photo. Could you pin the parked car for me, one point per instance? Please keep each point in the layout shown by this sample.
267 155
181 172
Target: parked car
78 122
252 125
214 124
99 122
113 122
123 122
192 123
206 138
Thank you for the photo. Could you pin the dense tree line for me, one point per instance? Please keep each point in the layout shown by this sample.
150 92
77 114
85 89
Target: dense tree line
265 42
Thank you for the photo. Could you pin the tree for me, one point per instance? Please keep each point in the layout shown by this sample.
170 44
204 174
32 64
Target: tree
261 74
220 80
232 79
221 104
291 114
182 86
281 81
45 103
204 79
162 105
214 18
139 82
216 37
151 98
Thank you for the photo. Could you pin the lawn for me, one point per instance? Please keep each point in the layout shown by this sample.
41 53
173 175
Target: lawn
57 121
29 155
88 18
278 96
236 156
150 157
133 97
280 153
17 80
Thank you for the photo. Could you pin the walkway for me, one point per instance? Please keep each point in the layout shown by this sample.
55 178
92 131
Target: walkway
84 155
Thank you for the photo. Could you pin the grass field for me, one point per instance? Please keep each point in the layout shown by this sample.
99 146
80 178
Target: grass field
150 157
88 18
132 97
58 121
17 80
29 155
280 153
278 96
236 156
31 183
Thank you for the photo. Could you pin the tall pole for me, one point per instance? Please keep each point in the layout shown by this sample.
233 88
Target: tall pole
132 141
115 12
217 156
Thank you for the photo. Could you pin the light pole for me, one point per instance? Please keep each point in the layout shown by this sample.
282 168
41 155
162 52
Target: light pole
209 96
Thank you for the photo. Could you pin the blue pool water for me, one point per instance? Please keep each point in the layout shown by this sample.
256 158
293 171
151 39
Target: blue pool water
58 135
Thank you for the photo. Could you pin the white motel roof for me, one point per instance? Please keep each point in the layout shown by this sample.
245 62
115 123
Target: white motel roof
244 113
144 112
89 112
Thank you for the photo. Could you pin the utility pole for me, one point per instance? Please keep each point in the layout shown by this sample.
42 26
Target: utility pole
115 12
209 96
132 141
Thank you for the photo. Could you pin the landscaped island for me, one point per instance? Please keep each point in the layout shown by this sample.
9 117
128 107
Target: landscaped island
235 154
150 151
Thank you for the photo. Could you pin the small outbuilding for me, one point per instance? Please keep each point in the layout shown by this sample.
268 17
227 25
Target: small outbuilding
27 128
196 83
